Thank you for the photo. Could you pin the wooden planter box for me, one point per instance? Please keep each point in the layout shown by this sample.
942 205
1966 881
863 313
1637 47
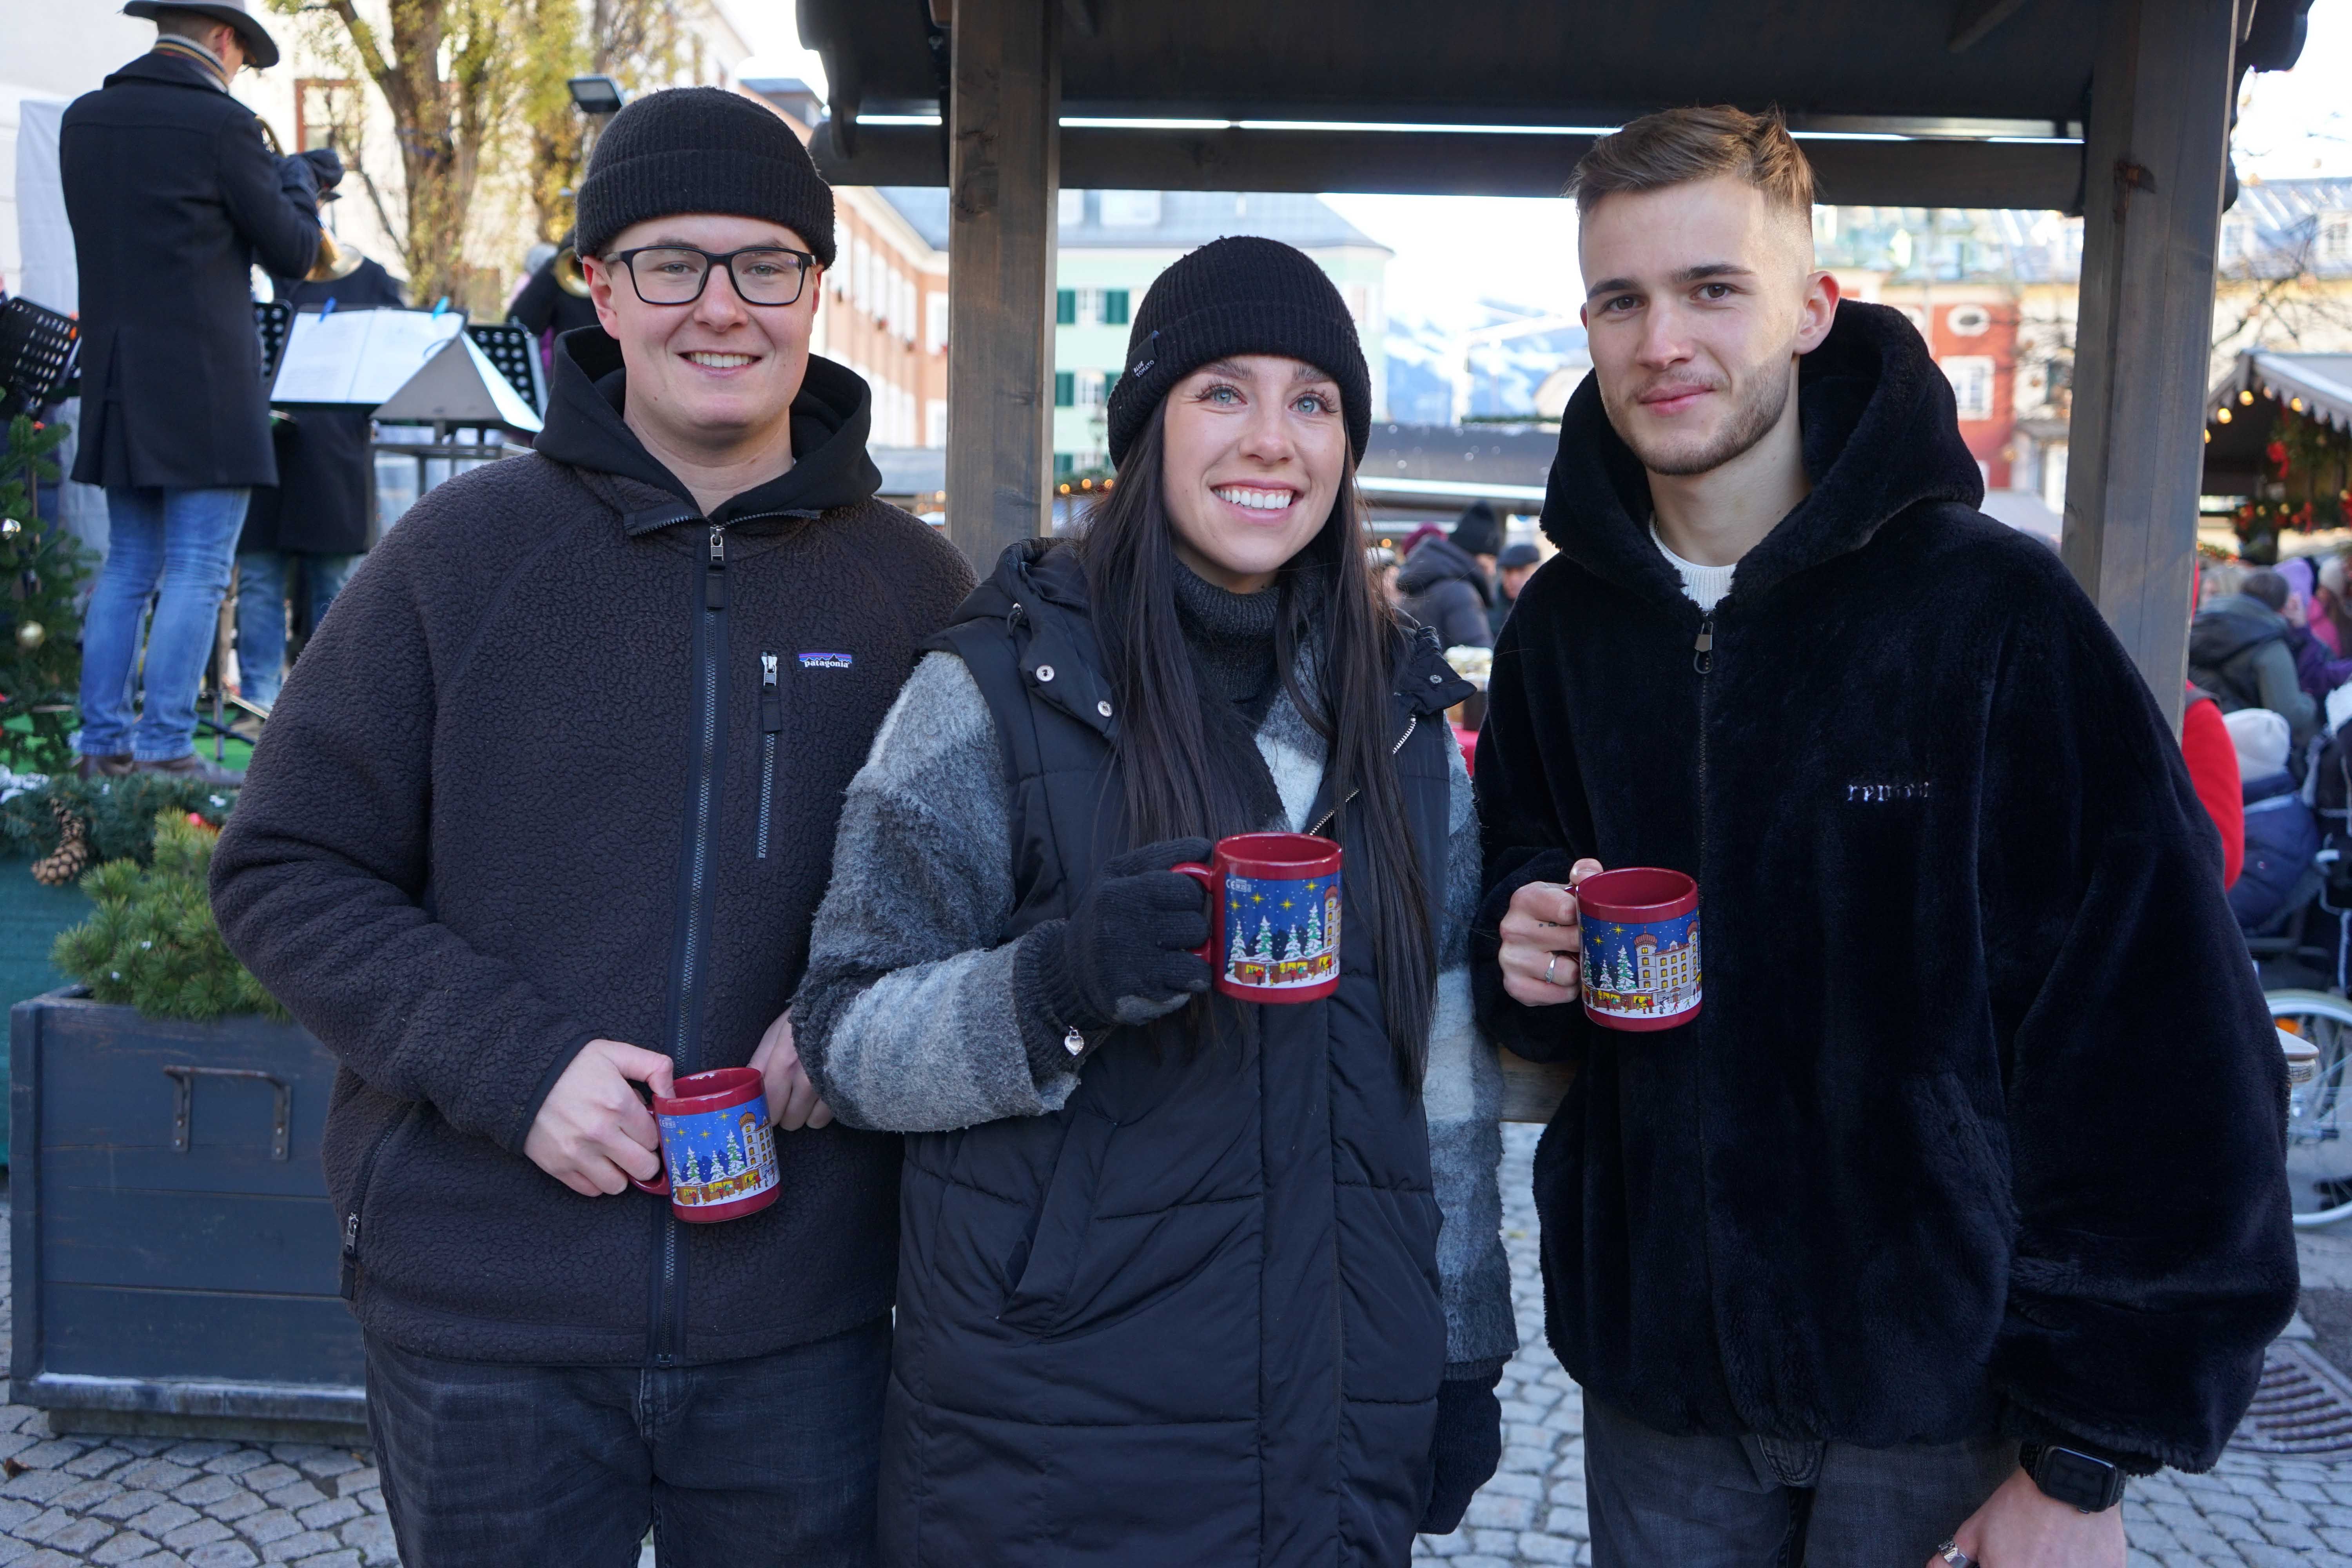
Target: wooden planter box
173 1249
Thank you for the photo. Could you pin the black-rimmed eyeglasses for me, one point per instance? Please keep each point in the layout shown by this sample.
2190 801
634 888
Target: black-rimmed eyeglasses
676 274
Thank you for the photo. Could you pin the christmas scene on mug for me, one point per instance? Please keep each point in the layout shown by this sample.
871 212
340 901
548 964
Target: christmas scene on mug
719 1156
1282 934
1647 971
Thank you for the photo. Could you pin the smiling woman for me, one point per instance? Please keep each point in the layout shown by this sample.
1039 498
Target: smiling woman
1114 1174
1253 451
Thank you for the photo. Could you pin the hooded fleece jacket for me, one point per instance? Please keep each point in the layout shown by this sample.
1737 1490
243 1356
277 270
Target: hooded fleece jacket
1981 1122
564 762
1446 589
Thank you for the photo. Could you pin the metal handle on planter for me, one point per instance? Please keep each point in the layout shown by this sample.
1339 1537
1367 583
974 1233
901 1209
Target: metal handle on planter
184 1099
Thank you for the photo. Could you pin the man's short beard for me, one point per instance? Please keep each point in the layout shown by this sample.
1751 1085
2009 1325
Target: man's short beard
1752 423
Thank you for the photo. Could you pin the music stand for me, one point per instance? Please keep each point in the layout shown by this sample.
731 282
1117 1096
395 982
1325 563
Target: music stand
513 348
274 320
36 348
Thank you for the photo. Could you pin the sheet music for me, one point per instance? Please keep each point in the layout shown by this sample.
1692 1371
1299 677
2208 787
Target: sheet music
358 356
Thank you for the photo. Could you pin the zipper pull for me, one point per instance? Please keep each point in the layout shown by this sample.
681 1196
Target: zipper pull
1703 650
771 701
714 581
349 1284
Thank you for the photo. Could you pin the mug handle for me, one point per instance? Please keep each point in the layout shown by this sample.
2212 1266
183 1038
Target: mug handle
659 1186
1208 880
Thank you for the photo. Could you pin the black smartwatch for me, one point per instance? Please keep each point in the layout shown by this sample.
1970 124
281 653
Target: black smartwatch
2078 1481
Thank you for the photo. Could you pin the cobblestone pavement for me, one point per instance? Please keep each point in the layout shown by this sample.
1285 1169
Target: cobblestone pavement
156 1502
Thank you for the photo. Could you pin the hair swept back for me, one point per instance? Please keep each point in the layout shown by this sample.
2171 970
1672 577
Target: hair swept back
1676 146
1174 787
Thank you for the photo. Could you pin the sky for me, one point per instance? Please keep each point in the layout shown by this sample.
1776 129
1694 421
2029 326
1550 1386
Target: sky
2292 124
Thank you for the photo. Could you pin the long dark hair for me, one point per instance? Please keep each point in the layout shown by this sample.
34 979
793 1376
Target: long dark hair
1173 787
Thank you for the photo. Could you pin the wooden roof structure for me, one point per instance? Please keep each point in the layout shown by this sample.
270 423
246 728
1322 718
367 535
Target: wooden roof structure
2119 110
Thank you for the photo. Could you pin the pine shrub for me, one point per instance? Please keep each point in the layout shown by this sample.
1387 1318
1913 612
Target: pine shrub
152 942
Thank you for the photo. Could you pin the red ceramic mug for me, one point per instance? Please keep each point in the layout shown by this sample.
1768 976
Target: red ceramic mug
1274 916
718 1152
1640 930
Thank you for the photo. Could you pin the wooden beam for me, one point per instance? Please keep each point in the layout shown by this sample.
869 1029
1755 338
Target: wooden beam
2157 154
1977 17
1937 173
1001 223
1533 1090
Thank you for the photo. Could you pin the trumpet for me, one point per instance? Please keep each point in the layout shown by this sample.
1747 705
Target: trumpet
335 261
569 275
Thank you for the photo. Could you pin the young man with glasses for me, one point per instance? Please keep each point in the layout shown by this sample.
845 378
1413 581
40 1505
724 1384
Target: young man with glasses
541 818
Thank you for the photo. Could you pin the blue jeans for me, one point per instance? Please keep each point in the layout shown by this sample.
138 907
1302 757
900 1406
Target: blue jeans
770 1462
176 545
1767 1502
263 576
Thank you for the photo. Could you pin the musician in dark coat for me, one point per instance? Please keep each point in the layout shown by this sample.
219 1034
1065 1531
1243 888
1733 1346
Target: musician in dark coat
173 194
304 535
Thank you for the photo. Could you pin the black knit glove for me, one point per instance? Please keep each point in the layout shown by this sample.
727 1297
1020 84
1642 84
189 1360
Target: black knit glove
1467 1447
1123 956
299 177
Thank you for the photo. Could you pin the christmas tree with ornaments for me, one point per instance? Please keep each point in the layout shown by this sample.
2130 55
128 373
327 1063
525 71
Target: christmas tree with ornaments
42 569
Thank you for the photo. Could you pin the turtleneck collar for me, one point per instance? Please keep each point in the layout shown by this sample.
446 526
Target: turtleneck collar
1231 639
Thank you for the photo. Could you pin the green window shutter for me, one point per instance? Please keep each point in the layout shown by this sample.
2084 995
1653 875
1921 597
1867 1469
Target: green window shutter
1065 307
1065 388
1114 307
1064 465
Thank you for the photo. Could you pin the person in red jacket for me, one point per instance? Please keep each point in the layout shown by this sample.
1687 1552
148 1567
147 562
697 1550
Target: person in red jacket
2213 768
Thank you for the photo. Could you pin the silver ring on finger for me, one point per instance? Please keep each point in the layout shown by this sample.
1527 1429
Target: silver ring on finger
1951 1553
1548 968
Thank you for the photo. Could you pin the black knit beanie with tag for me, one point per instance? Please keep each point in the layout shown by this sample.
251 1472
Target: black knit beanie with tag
701 150
1239 296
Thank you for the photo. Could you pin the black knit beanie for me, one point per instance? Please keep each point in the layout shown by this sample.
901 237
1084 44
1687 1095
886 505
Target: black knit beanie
1476 531
1238 296
701 150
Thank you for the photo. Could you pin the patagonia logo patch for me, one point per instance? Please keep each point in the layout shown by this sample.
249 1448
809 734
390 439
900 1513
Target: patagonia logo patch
1882 794
822 660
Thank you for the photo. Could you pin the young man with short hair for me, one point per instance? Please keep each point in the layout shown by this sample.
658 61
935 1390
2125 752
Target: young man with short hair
1822 1257
542 817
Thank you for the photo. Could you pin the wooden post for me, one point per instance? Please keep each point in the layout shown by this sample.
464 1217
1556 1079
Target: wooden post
1002 186
2155 155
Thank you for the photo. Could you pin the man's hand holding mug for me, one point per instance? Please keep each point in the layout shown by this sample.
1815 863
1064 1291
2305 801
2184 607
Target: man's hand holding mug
592 1134
1541 944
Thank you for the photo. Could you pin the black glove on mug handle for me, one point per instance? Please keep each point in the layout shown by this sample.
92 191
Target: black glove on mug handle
1125 955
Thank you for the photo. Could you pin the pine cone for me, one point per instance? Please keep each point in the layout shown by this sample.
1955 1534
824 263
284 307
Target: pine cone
65 863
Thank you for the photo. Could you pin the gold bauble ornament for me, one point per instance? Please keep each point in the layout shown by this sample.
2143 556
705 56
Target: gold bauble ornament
31 634
10 528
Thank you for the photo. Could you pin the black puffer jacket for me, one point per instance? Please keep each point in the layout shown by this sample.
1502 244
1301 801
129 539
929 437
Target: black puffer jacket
1194 1316
1983 1112
527 787
1446 591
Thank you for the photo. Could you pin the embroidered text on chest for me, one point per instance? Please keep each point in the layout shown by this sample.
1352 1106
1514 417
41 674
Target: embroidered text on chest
1881 794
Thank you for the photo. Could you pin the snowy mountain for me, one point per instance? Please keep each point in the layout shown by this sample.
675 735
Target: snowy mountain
1504 376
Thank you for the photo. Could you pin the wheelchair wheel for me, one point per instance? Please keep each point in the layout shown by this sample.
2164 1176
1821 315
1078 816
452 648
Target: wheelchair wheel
2319 1112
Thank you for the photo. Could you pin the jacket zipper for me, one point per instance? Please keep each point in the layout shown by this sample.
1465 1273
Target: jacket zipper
348 1287
686 1044
772 721
1411 722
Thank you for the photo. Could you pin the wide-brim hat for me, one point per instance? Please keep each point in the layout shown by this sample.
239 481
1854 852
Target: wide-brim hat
260 48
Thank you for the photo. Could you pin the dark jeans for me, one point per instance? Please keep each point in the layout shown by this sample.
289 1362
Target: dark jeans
771 1460
1766 1502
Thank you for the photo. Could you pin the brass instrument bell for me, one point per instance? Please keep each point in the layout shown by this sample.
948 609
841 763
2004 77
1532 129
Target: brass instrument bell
570 276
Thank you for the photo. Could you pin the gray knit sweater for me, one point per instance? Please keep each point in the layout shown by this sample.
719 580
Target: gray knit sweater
922 893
